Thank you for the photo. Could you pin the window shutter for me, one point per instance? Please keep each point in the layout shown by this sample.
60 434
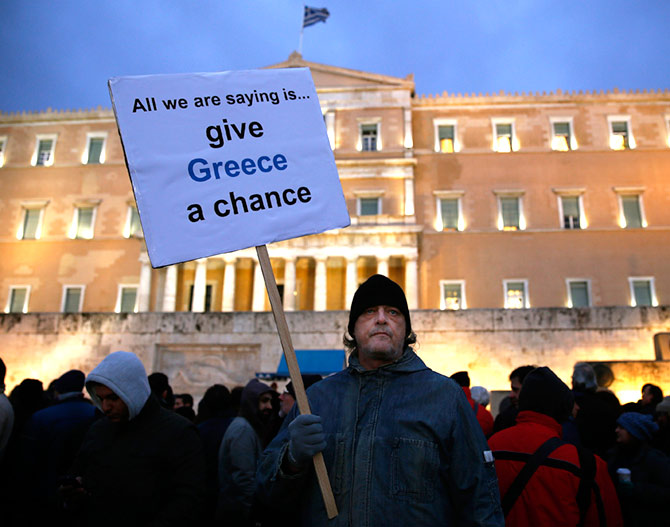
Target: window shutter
510 211
631 211
579 294
94 150
449 211
642 291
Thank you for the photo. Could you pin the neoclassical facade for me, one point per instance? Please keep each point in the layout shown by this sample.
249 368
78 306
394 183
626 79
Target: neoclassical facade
468 201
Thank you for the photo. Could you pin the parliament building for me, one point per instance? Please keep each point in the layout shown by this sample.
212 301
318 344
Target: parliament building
501 200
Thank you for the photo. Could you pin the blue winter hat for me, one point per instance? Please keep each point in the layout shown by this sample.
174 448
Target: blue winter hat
640 426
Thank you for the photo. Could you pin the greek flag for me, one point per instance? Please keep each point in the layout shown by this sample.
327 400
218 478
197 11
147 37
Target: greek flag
314 15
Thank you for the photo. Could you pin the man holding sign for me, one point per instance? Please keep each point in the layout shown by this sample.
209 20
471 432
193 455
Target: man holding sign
400 442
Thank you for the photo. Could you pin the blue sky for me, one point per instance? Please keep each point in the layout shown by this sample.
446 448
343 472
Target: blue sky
59 54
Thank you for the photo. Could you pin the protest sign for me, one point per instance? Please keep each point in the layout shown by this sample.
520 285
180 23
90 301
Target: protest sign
225 161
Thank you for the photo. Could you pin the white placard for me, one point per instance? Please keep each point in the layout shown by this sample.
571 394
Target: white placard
225 161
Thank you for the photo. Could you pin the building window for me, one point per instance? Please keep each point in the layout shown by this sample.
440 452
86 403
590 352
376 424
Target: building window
562 137
504 137
452 294
31 223
369 206
208 298
3 148
17 302
133 227
73 298
510 212
126 299
369 137
83 223
95 149
446 140
631 211
579 293
449 211
642 291
667 131
44 150
621 137
571 211
516 294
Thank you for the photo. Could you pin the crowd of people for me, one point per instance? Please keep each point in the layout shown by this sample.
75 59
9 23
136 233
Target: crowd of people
402 444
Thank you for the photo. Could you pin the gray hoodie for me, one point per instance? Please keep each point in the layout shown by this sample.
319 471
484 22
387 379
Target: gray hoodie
124 374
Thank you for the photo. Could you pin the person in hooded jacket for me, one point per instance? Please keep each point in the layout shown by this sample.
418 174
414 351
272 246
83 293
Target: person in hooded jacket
241 447
400 442
544 480
139 465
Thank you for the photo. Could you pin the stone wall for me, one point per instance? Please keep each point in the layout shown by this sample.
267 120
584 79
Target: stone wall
197 350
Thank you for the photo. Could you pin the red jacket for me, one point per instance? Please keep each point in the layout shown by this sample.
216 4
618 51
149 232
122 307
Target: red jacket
549 497
484 417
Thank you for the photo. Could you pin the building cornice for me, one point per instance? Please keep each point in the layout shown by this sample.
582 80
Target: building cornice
539 98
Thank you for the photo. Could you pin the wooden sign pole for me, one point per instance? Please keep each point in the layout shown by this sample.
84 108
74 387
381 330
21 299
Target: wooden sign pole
294 371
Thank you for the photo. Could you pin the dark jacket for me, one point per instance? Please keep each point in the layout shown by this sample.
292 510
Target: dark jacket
596 420
49 444
645 502
147 471
240 449
549 497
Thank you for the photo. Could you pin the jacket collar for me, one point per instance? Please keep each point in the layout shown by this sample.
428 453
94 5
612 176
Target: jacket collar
409 362
536 418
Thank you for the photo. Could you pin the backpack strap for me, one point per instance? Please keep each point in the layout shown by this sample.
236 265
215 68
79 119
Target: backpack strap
475 406
522 478
587 465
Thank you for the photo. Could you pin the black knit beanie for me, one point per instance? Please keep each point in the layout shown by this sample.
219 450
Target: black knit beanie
542 391
378 291
71 381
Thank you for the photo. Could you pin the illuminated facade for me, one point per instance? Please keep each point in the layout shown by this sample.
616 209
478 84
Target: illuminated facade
468 201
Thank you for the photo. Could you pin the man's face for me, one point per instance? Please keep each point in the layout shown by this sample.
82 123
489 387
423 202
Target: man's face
286 401
380 336
178 402
265 404
112 405
647 396
515 386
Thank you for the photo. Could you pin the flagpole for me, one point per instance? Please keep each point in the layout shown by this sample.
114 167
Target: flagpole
302 29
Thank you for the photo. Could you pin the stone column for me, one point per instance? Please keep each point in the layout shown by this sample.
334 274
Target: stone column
383 265
228 292
258 301
409 141
320 284
170 289
409 196
289 284
351 281
199 286
330 127
412 282
144 288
